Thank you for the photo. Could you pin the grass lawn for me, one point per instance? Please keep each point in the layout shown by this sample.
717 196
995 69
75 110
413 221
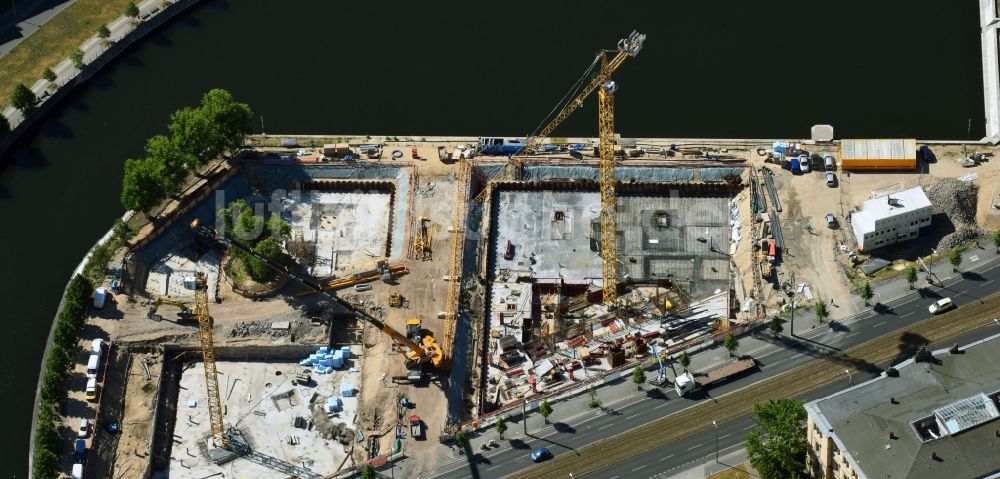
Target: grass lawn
55 41
738 472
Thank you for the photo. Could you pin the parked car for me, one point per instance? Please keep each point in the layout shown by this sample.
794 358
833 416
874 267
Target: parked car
84 428
831 222
80 450
100 296
804 163
828 162
831 180
91 392
941 305
541 454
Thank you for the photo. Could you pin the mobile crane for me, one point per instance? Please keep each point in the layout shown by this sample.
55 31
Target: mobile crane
428 352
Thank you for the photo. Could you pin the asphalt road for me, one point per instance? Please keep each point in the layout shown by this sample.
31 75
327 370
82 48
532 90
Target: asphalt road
564 438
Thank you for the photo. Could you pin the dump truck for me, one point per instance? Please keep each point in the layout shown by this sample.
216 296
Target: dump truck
688 382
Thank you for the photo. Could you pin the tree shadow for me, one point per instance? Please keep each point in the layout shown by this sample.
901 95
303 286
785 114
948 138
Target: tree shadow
610 411
821 351
30 157
972 276
104 82
519 444
839 327
162 40
909 344
655 393
883 310
56 129
928 293
563 428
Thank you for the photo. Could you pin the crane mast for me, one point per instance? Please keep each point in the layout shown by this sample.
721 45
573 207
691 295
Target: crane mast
609 200
208 358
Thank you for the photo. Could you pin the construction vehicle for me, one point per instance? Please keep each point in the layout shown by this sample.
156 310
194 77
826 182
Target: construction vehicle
413 330
422 241
688 383
396 300
661 379
428 352
184 314
383 271
415 429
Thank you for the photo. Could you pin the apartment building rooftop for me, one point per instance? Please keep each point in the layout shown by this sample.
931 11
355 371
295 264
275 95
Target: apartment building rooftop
935 419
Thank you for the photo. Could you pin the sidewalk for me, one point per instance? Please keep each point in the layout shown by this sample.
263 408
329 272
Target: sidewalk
727 461
16 28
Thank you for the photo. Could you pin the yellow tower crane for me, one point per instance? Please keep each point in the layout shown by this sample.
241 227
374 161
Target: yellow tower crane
627 47
215 415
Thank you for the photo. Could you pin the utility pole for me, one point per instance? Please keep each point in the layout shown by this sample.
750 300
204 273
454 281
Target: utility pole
716 441
524 415
791 328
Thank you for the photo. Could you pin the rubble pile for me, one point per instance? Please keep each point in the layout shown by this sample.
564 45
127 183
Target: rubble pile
427 190
956 199
256 328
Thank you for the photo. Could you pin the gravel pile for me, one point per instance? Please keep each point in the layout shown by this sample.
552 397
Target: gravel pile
956 199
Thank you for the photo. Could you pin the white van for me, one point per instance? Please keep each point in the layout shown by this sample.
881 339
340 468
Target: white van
91 392
77 471
100 296
93 364
940 305
97 346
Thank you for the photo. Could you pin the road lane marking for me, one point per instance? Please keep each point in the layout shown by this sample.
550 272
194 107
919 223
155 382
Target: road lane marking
695 447
723 437
661 405
748 427
605 426
630 417
665 458
854 334
640 467
879 324
905 315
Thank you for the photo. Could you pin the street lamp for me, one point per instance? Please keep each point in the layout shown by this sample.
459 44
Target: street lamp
850 377
716 441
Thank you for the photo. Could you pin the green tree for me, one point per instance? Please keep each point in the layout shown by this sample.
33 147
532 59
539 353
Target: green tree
241 223
821 311
80 289
545 409
4 126
131 10
46 463
684 360
776 446
230 118
638 377
460 440
54 385
23 98
278 228
367 472
122 231
866 292
731 343
594 401
49 75
142 185
104 32
955 258
996 240
76 56
911 275
775 326
175 161
501 426
195 134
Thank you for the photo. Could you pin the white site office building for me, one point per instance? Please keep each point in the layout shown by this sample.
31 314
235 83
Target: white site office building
892 218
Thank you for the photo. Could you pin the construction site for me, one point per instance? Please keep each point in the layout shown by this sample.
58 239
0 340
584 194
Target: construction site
435 283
